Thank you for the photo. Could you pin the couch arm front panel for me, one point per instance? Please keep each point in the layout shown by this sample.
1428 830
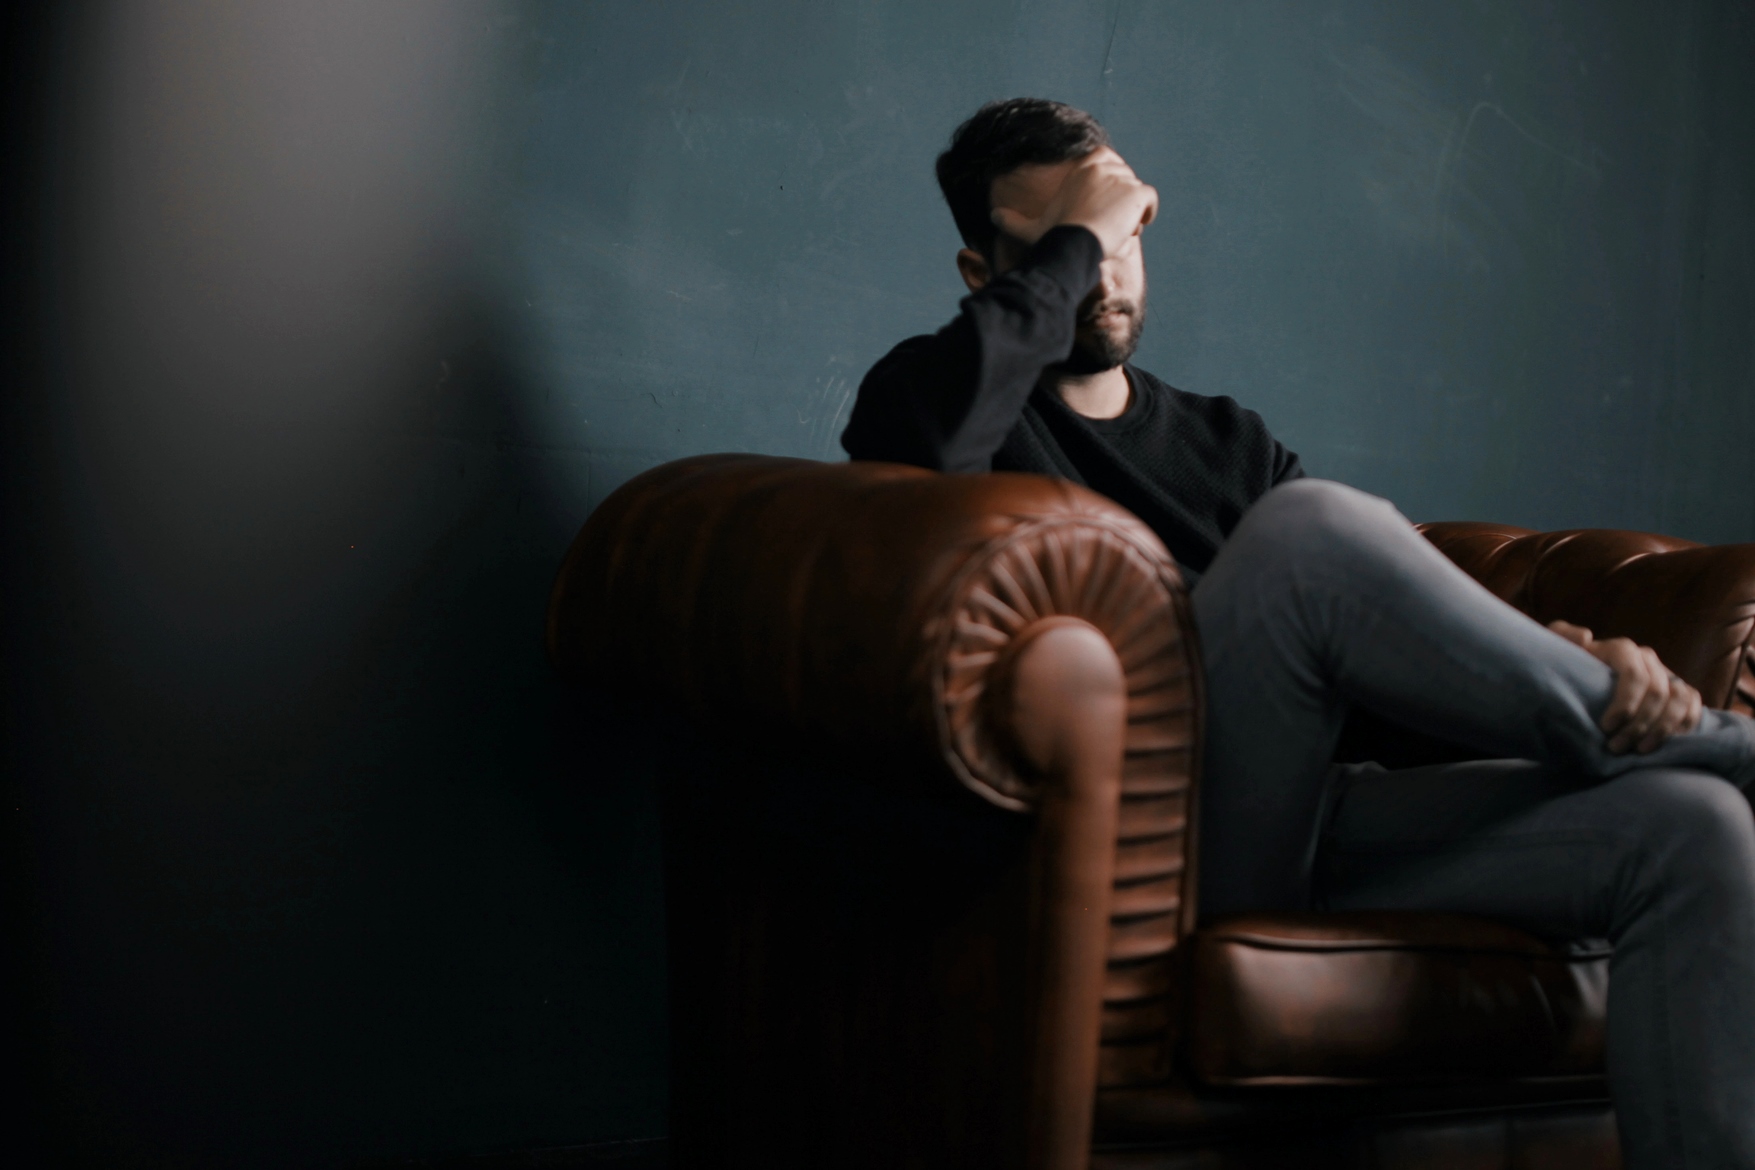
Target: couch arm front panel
1693 604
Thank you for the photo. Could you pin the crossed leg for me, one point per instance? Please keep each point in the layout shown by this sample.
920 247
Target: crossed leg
1660 861
1324 597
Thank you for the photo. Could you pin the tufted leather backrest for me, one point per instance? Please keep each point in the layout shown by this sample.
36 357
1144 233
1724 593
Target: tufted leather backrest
1694 604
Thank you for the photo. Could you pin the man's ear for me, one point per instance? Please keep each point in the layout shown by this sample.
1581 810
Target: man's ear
973 266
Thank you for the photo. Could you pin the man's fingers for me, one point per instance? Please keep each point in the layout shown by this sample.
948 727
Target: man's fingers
1103 194
1649 706
1681 714
1141 203
1151 211
1577 635
1103 156
1647 717
1095 169
1631 684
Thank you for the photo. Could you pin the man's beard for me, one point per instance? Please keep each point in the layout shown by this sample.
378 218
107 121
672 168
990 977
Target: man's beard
1094 349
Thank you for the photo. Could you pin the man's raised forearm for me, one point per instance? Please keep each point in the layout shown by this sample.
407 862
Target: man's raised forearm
948 401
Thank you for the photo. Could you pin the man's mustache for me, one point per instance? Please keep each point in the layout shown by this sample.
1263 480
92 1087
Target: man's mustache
1088 314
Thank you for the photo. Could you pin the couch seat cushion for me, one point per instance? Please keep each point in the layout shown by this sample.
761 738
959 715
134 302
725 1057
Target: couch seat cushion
1390 998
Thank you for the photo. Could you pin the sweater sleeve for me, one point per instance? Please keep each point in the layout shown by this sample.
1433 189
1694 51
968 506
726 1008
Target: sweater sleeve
946 401
1286 464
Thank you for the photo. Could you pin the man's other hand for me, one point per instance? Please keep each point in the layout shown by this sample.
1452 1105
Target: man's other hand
1099 192
1650 703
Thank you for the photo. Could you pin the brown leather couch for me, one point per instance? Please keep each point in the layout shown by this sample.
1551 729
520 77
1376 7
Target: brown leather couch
930 861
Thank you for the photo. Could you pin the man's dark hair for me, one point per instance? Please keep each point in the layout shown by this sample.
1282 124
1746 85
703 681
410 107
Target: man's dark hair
1000 138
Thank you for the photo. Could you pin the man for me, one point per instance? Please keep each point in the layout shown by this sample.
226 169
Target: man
1614 810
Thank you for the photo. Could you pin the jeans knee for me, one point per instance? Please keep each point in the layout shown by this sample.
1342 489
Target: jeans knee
1319 512
1319 499
1694 821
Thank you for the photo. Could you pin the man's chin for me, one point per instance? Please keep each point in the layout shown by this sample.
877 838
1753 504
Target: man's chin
1093 355
1082 361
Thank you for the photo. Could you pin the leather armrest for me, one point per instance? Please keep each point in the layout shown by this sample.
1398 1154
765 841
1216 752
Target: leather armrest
1694 604
867 606
929 623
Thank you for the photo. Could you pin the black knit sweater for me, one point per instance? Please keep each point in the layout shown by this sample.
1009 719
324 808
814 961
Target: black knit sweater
973 398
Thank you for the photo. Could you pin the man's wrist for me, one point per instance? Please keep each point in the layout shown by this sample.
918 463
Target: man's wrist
1065 236
1071 253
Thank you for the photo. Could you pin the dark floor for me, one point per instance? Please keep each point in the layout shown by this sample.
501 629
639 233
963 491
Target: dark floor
637 1154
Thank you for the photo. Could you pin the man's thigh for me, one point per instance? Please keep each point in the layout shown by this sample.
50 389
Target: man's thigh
1508 839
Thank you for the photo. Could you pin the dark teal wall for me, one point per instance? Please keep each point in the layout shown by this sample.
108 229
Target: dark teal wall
1491 260
342 317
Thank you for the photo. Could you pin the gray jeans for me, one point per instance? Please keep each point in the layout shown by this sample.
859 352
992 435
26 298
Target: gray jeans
1324 597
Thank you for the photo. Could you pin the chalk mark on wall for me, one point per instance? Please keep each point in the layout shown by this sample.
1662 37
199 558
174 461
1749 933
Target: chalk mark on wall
828 426
1445 185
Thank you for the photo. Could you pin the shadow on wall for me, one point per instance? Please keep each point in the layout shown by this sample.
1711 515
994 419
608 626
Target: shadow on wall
323 861
356 874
